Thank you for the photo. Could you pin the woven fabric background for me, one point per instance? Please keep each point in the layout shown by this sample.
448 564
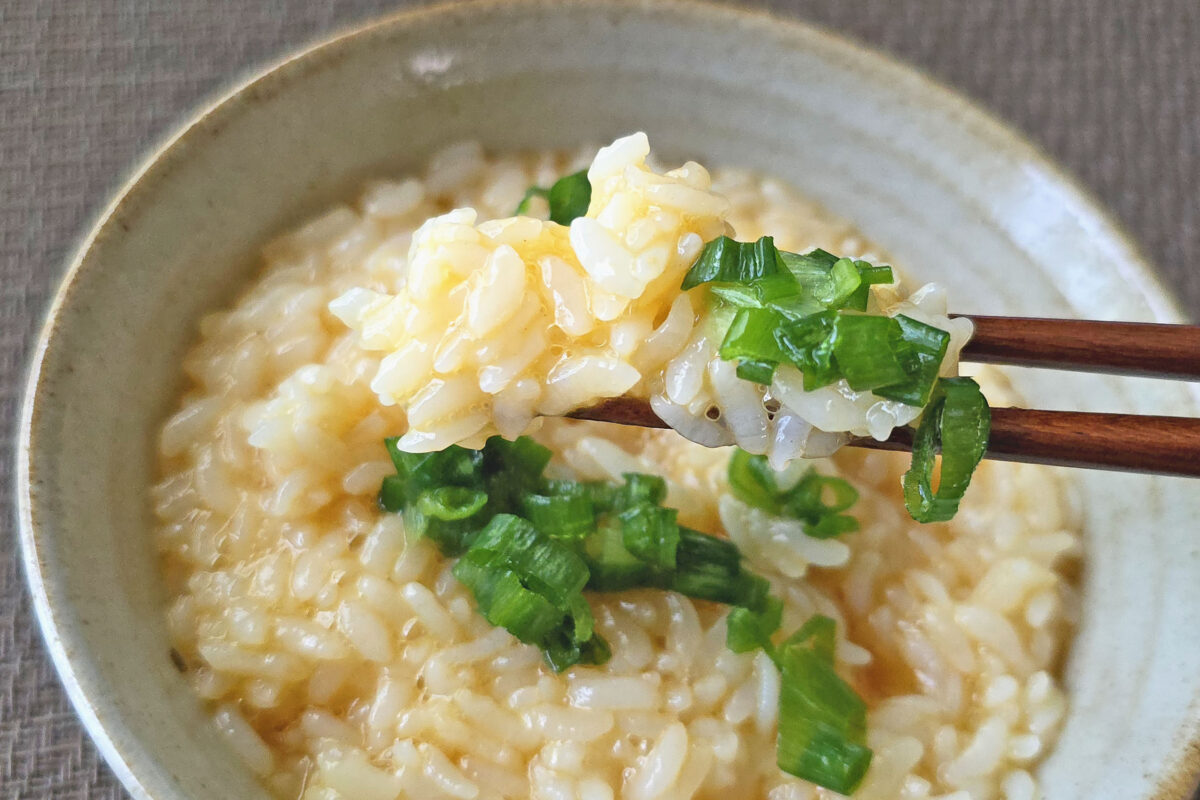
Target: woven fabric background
1109 88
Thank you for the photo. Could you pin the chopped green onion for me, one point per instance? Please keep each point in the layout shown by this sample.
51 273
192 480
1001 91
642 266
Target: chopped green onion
704 583
583 624
758 275
822 721
700 551
808 343
958 421
757 371
899 358
709 568
724 260
533 191
807 497
641 488
568 198
870 352
736 295
921 350
795 307
753 482
651 534
751 335
562 516
451 503
547 566
522 458
780 287
603 496
527 574
824 696
449 516
813 742
830 527
806 502
563 651
864 349
452 537
874 276
810 268
454 466
612 567
747 630
393 493
829 283
799 309
515 571
869 276
819 633
504 600
768 286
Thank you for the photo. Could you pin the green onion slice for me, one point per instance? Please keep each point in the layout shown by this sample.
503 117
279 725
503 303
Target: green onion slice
533 191
724 260
757 371
816 500
869 276
751 335
864 347
548 566
819 634
822 721
451 503
747 630
921 349
602 495
753 482
612 567
561 516
568 198
393 493
829 280
504 600
563 651
641 488
809 343
708 583
651 534
958 421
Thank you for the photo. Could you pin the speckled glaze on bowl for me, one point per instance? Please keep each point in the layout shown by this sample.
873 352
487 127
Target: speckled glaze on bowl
946 189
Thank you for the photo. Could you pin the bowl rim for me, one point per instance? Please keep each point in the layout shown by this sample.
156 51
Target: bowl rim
63 643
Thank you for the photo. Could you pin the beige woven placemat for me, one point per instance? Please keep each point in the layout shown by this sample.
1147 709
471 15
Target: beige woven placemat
1110 88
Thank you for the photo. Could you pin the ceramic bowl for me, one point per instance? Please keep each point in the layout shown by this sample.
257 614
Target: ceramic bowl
948 191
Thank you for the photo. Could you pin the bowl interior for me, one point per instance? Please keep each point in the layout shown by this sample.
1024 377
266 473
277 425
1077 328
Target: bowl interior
947 191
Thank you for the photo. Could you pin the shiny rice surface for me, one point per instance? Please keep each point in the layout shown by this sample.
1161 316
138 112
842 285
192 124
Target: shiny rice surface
343 661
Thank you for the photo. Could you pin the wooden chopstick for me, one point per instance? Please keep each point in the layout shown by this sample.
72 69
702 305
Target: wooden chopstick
1118 348
1127 442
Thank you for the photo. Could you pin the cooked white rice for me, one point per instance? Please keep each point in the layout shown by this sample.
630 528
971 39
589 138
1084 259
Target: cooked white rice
491 324
343 661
